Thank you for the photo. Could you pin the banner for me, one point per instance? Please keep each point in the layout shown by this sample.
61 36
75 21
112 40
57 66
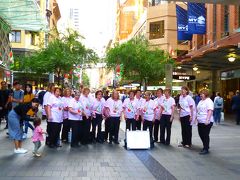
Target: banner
196 18
182 24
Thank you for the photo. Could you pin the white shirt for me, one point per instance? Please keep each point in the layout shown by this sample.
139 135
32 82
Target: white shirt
87 104
202 110
139 103
185 104
115 107
167 105
76 106
66 101
158 101
130 108
148 109
56 106
46 98
97 106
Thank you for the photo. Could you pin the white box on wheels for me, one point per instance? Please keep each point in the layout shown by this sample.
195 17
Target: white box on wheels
138 139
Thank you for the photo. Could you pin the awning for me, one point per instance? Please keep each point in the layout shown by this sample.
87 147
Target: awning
23 15
215 56
210 1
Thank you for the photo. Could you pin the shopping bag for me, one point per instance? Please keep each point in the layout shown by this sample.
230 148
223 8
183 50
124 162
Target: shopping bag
222 116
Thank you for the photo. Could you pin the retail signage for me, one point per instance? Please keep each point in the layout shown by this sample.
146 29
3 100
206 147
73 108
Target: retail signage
196 18
230 74
182 24
184 77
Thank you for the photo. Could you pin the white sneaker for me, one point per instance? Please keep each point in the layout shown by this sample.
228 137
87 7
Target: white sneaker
20 151
24 136
38 155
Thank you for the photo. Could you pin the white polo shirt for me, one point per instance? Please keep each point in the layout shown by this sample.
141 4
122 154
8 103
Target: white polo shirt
56 106
130 108
76 106
148 110
202 110
115 107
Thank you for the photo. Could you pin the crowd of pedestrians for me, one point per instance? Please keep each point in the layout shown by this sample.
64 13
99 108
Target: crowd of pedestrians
76 116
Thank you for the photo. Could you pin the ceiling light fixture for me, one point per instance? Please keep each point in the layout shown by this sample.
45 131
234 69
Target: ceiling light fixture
179 67
195 68
231 59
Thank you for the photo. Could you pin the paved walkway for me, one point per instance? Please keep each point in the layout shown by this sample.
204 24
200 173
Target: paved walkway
104 161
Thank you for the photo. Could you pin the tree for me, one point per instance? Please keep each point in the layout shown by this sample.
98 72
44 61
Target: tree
140 62
60 56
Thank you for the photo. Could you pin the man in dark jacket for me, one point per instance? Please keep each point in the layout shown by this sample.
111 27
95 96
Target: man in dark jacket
4 95
236 106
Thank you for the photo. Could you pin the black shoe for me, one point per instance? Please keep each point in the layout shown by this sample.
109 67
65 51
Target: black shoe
116 142
167 144
204 152
161 142
110 142
6 127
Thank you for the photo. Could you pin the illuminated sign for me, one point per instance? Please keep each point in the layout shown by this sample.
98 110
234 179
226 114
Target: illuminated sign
184 77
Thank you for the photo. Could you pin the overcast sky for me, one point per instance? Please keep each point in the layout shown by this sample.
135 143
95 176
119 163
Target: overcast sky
97 20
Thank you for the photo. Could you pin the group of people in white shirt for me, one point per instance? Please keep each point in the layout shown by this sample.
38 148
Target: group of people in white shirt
83 114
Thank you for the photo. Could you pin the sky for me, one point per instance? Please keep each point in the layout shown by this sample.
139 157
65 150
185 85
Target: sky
97 21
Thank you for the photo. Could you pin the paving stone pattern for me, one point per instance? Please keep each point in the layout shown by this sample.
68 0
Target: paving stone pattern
104 161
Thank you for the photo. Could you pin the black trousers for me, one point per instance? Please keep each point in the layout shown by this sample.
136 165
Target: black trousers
186 130
114 128
165 124
139 123
131 124
204 131
54 132
156 129
107 128
48 134
86 130
97 123
76 127
237 116
148 125
65 130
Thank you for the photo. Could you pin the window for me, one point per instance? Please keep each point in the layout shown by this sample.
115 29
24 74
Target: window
238 16
33 38
226 19
15 36
156 30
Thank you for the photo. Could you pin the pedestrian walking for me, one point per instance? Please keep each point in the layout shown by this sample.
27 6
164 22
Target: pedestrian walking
218 107
66 124
37 136
167 116
236 106
114 105
158 101
130 111
186 105
97 113
15 122
55 117
4 96
28 96
205 119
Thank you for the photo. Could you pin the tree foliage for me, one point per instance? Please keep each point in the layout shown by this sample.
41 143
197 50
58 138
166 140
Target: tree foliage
139 60
59 56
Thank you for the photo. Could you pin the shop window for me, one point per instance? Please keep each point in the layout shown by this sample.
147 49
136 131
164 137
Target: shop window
15 36
156 30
